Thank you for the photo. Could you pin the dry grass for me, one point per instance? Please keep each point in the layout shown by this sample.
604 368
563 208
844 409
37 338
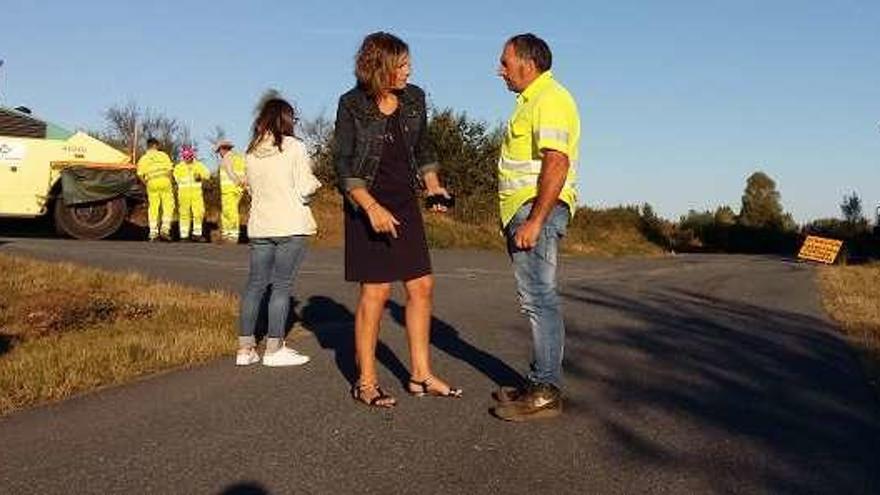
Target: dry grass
623 240
444 232
610 232
66 329
327 209
607 238
851 295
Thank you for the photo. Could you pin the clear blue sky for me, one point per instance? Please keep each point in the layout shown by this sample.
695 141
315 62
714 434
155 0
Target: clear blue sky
680 100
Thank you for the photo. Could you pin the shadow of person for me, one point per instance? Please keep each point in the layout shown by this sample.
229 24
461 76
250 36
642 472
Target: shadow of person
333 326
446 338
245 488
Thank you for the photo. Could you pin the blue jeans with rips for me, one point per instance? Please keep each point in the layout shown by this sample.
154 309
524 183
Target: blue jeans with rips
273 261
535 271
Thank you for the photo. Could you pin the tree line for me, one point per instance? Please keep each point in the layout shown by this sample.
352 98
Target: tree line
468 151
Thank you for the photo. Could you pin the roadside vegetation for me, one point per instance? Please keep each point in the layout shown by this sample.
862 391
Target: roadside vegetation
468 150
851 295
66 329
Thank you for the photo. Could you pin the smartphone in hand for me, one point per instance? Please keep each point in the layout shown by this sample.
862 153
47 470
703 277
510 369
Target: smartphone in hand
439 199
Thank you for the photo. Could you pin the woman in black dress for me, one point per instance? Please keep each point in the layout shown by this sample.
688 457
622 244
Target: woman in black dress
381 151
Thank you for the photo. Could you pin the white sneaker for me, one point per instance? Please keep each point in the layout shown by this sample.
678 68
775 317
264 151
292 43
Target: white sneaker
247 358
284 357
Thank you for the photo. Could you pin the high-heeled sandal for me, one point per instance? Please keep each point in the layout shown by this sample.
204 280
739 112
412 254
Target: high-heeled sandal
452 393
357 393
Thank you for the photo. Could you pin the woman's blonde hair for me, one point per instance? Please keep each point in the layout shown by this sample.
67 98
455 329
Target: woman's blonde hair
376 61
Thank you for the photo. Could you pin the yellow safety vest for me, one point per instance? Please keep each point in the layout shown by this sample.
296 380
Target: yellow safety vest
238 165
545 118
187 175
154 165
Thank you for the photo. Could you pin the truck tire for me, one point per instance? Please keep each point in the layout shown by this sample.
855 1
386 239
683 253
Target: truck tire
91 220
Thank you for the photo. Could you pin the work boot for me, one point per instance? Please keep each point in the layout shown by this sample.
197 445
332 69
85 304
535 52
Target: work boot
508 394
165 237
538 401
198 238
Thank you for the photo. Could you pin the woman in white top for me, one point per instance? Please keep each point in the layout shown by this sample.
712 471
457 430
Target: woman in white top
280 180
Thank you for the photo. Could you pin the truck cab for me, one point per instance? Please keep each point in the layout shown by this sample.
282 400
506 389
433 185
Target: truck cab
45 168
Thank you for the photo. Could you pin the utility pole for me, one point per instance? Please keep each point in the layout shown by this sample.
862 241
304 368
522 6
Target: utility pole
134 142
2 83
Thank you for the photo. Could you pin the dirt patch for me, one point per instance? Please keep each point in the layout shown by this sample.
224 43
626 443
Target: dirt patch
67 313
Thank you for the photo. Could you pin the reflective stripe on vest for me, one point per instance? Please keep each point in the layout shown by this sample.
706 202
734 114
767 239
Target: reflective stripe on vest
188 183
188 175
517 174
156 174
560 135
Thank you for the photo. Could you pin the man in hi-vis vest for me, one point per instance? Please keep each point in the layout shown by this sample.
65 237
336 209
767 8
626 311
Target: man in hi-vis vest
537 197
233 182
189 174
155 168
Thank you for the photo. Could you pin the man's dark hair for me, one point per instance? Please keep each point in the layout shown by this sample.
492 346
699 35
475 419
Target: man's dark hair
152 142
527 46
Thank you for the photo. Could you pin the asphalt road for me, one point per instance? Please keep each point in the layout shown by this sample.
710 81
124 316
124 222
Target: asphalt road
687 374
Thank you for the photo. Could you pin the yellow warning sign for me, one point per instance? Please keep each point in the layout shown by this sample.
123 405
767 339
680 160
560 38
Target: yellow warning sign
820 249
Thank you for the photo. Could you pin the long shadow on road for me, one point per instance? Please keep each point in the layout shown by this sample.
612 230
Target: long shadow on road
42 228
333 326
770 380
245 488
446 338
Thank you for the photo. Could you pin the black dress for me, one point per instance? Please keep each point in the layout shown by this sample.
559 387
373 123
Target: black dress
373 257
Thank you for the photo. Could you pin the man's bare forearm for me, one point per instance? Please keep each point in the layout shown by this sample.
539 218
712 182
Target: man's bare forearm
554 170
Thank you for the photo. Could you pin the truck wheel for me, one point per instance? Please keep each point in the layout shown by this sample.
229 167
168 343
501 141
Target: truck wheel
91 220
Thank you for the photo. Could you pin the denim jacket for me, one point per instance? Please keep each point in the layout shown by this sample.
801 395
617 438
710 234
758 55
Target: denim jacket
359 137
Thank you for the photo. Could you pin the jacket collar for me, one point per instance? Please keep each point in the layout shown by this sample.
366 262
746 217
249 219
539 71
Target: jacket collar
536 86
405 97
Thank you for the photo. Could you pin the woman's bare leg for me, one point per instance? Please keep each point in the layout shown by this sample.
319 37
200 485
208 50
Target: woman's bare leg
371 304
419 304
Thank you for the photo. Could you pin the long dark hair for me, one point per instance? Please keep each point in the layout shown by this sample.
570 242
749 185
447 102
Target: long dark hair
278 118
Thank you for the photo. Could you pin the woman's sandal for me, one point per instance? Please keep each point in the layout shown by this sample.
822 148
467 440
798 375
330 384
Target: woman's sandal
452 393
381 400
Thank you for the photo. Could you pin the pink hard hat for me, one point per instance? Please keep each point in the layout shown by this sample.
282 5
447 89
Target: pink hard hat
188 153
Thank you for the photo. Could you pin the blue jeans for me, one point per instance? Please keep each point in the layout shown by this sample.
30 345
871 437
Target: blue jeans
535 271
274 261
